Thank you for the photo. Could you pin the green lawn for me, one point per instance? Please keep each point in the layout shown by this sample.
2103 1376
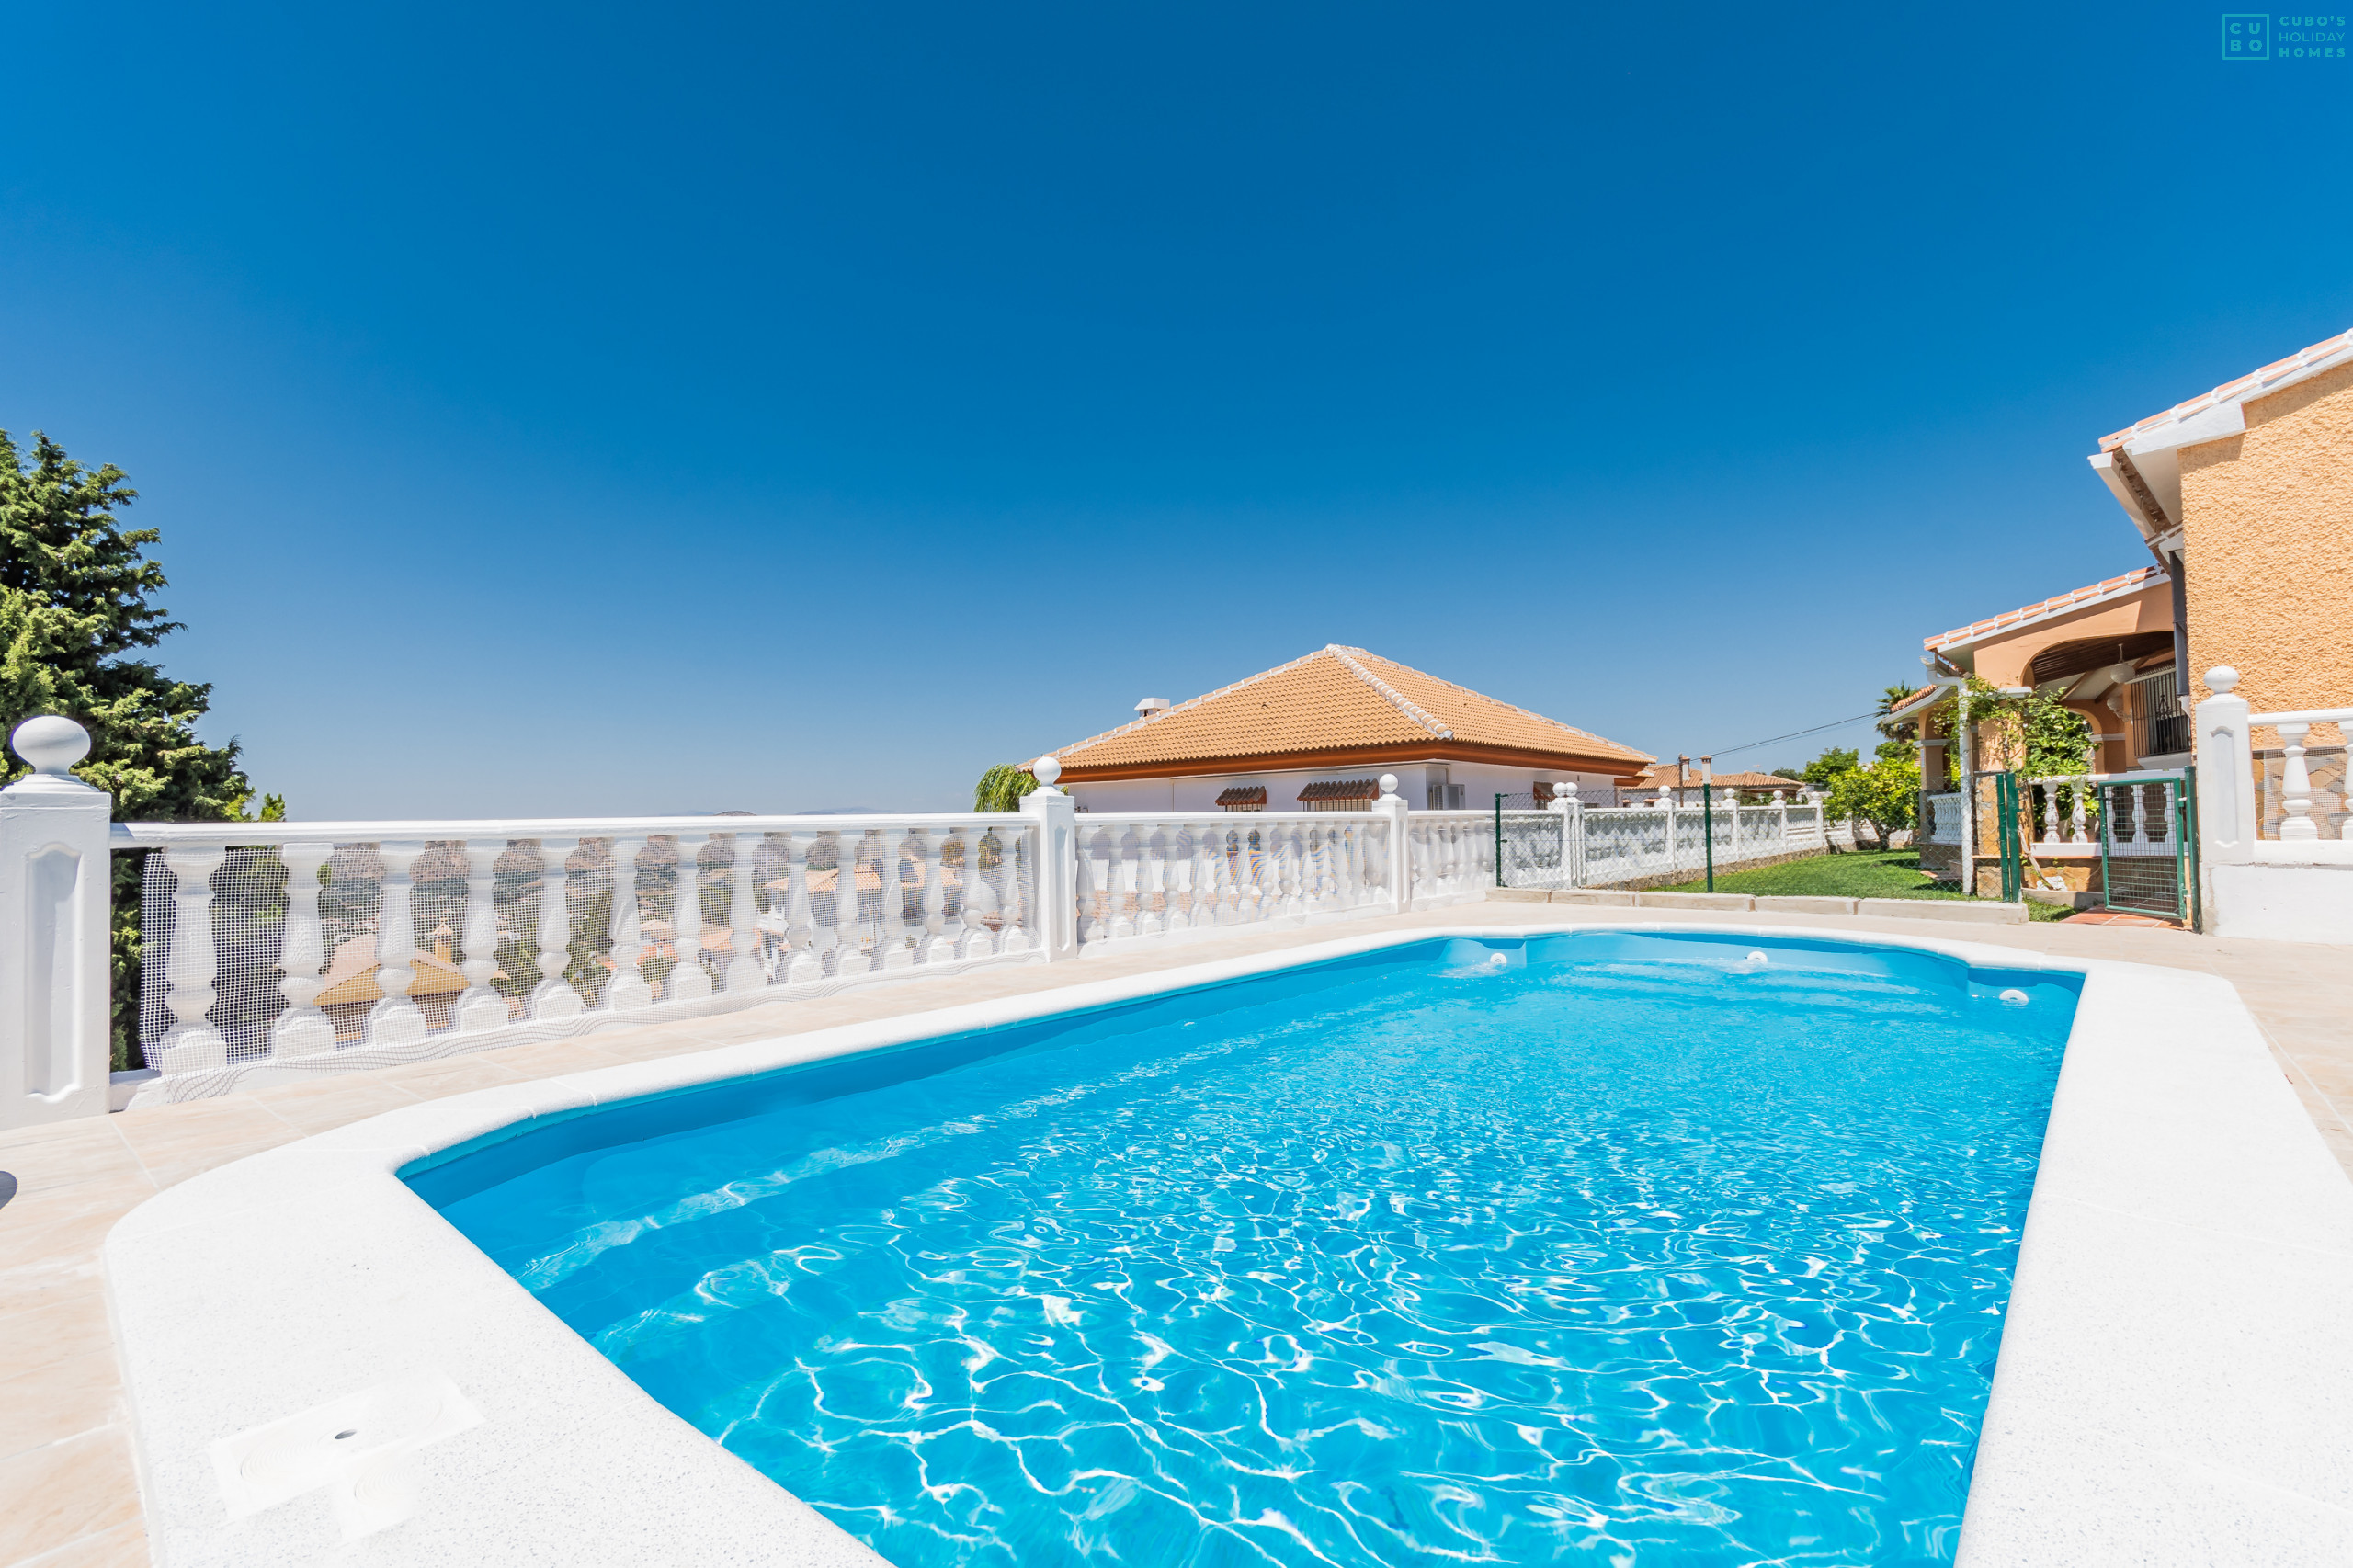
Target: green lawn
1894 873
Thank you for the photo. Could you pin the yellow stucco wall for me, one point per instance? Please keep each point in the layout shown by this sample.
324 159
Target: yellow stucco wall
2268 527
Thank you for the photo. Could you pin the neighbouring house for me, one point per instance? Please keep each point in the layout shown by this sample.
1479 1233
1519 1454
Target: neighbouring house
1318 732
1680 782
2243 496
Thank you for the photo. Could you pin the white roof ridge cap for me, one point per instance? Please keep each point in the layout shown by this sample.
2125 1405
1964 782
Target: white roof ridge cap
1396 698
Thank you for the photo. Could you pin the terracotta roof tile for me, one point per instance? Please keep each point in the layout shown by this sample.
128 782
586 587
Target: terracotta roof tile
2133 581
1334 698
2327 349
1662 776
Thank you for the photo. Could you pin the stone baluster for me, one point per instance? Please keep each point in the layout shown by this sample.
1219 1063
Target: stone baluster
192 1043
480 1006
891 947
1307 868
627 991
301 1029
1178 854
689 981
1203 910
937 943
1092 885
1119 882
2296 825
2076 832
1282 879
966 856
850 953
744 970
979 899
810 941
395 1020
1273 871
2050 813
553 998
1153 845
1020 849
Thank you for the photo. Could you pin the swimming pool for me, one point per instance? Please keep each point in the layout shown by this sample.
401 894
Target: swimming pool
1688 1248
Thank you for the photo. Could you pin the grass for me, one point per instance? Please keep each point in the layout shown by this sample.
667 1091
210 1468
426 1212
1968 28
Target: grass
1893 873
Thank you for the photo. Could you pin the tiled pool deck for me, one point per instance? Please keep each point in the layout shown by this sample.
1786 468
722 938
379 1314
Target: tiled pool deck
68 1497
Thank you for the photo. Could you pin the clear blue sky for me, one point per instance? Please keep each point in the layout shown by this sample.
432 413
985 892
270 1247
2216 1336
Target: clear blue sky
600 408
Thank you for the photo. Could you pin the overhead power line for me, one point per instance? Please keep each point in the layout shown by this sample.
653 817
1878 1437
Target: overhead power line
1793 734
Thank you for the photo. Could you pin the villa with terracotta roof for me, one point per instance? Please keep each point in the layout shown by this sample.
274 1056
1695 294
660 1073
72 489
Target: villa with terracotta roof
1681 782
1318 732
2243 496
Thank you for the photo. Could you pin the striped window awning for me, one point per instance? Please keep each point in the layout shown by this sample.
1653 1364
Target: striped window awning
1243 798
1340 795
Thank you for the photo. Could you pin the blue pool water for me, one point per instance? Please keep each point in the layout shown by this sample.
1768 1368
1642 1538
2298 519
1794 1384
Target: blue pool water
1611 1248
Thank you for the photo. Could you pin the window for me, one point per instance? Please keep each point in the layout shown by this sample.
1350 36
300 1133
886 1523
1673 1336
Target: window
1339 795
1243 798
2165 727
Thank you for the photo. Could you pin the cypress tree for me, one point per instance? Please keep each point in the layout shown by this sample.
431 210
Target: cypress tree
76 610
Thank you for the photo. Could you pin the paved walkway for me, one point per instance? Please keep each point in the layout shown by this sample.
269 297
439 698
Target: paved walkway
68 1497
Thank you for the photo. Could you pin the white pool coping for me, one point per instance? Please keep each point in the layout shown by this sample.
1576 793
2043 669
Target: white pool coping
2176 1381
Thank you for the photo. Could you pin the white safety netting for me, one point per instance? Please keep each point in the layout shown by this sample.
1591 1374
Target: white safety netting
275 949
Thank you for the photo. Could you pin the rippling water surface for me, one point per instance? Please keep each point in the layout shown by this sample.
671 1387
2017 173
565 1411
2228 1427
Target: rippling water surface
1605 1249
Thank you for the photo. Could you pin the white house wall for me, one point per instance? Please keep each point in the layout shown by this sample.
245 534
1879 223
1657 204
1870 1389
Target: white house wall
1479 783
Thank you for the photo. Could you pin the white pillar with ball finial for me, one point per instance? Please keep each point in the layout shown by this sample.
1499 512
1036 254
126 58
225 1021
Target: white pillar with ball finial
1395 855
1055 813
55 886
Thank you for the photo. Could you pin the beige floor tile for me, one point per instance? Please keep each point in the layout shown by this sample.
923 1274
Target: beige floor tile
432 1080
57 1496
125 1546
549 1057
58 1167
61 1399
161 1132
37 1327
44 1242
171 1169
342 1104
81 1129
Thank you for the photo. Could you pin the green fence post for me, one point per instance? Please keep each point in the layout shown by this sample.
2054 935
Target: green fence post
2185 847
1499 843
1708 829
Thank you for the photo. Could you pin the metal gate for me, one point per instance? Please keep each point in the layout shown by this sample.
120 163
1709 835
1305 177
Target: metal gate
2148 845
1532 848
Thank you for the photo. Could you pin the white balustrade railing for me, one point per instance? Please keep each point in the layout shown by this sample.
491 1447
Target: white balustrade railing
1453 856
1140 877
2273 853
1943 826
285 942
288 950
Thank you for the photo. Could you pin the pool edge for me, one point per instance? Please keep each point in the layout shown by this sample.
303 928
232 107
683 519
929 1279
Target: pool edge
578 1461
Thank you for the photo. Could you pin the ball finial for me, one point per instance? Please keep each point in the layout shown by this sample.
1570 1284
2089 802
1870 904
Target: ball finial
1388 784
2219 680
53 743
1047 770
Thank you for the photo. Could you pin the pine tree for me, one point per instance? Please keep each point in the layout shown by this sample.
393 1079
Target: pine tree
76 609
